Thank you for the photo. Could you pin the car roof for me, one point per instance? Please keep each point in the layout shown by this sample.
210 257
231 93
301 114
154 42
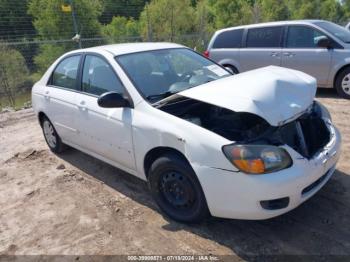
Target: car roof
128 48
290 22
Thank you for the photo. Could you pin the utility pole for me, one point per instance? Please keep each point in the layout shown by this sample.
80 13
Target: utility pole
77 36
149 26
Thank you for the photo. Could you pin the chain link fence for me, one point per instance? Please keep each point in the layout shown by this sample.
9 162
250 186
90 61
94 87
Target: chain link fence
35 62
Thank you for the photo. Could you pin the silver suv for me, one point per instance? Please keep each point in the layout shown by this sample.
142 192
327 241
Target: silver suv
316 47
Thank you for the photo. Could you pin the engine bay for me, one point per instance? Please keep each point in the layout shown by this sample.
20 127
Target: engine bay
235 126
307 135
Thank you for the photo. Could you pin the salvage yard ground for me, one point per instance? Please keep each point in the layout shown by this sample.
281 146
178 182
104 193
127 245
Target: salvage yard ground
75 204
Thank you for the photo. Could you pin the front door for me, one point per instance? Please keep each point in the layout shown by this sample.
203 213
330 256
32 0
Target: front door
302 53
103 131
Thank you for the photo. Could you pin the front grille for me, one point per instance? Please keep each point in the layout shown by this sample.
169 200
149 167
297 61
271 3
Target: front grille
307 135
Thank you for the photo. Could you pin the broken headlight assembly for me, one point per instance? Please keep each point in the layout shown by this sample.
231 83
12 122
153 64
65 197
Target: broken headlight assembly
257 159
322 111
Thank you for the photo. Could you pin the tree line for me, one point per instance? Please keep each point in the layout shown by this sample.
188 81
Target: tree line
40 30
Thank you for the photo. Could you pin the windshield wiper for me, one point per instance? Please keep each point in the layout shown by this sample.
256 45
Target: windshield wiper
159 96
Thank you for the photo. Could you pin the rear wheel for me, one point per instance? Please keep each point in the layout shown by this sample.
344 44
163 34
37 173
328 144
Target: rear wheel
176 189
52 138
232 69
342 83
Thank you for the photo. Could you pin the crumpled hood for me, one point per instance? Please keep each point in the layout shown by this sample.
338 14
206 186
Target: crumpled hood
274 93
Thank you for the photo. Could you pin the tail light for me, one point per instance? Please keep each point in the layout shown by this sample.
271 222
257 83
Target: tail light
206 53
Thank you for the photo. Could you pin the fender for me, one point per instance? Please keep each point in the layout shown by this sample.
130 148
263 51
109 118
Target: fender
228 61
154 128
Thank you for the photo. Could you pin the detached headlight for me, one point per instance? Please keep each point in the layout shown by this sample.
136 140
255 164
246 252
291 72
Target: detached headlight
257 159
323 111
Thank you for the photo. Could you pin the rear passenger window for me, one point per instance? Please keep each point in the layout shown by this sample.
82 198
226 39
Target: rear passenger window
264 37
65 74
229 39
99 77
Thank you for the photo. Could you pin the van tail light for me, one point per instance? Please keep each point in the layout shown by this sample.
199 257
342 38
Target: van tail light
206 53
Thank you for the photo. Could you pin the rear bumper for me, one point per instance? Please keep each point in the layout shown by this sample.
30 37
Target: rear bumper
238 195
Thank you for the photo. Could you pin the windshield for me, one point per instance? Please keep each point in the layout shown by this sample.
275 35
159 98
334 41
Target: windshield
335 30
161 73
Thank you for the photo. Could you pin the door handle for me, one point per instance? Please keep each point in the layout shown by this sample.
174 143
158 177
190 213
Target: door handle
82 105
274 54
288 54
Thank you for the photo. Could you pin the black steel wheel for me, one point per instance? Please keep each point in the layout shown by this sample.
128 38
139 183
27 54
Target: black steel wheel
176 189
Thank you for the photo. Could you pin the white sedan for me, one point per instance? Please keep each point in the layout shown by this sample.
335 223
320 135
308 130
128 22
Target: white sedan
249 146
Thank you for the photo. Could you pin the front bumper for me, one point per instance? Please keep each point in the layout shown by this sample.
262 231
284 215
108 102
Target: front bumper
237 195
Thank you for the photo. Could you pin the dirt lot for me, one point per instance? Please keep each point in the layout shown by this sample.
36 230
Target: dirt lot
75 204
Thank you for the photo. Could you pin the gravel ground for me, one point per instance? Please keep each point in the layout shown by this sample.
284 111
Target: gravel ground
75 204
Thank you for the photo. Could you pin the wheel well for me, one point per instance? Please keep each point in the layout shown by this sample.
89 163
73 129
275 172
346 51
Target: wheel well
157 152
231 66
339 71
41 116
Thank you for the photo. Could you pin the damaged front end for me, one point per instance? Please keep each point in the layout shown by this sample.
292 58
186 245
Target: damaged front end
307 134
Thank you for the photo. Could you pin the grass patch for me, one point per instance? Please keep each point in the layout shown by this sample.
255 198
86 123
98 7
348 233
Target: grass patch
20 100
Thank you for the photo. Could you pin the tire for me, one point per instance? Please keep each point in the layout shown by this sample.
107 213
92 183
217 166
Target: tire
176 189
232 68
342 83
52 139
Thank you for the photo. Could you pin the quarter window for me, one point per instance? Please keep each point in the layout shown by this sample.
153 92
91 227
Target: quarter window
65 74
265 37
303 37
99 77
229 39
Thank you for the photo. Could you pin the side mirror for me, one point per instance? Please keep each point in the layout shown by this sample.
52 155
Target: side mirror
323 42
112 100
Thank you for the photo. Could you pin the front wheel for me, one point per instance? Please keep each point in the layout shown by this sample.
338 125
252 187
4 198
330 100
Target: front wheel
176 189
342 83
231 69
52 138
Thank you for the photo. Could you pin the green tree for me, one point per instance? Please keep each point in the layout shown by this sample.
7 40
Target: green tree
127 8
13 73
332 10
52 23
16 26
300 9
15 22
273 10
231 12
204 24
165 20
121 29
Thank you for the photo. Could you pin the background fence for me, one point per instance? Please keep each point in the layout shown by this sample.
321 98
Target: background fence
33 33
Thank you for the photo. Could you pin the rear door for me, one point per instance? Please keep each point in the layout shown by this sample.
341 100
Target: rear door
103 131
302 53
60 95
263 47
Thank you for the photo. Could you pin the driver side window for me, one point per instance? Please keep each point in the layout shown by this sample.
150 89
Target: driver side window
303 37
99 77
